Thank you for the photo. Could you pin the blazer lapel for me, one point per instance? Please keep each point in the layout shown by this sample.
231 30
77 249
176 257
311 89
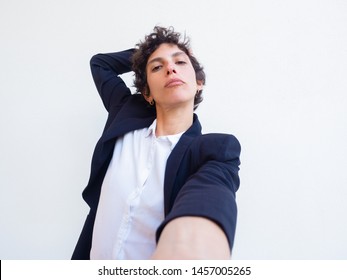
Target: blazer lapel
175 158
123 126
133 115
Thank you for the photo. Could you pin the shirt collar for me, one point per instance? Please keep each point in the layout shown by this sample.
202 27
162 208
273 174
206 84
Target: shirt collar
172 139
151 130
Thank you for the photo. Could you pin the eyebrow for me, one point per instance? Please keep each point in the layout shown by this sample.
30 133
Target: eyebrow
160 59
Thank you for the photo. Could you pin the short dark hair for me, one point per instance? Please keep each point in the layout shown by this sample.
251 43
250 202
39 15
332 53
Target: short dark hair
161 35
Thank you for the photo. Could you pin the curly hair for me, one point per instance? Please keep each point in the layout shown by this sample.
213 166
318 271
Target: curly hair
161 35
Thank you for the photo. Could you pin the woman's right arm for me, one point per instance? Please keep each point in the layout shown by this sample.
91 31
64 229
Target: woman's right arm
106 69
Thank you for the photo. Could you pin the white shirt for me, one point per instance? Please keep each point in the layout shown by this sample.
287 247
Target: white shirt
131 205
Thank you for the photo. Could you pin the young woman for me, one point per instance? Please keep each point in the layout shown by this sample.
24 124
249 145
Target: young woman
158 188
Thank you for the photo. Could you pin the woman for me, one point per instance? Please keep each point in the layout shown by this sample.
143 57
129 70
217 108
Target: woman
158 188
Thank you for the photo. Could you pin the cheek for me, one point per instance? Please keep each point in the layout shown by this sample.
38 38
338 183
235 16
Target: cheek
152 85
193 80
191 74
149 80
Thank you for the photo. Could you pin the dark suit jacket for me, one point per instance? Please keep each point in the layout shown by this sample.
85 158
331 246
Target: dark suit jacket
201 175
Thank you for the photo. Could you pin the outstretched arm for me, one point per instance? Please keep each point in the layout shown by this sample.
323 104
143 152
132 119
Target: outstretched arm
202 221
187 238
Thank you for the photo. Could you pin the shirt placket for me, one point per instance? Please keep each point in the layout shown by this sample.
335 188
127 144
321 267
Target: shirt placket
134 200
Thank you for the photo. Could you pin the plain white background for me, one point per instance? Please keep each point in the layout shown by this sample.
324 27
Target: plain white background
276 79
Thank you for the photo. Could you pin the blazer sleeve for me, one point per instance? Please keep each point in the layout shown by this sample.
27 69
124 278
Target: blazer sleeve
210 191
106 69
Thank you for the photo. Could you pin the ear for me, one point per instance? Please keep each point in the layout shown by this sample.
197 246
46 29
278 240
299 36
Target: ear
200 84
147 96
145 93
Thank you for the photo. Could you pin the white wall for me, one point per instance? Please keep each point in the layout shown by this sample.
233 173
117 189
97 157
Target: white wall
276 78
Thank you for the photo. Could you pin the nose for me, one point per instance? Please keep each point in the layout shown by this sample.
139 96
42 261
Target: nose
171 69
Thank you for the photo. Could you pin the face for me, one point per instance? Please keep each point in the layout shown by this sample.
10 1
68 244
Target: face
171 77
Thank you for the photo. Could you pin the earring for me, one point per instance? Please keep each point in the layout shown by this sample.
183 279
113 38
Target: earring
151 102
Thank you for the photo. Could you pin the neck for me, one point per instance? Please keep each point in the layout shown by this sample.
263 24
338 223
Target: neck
170 122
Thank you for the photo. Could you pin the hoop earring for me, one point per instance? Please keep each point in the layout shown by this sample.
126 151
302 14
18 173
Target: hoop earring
151 102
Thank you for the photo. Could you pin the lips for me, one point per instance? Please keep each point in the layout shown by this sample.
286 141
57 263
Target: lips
174 83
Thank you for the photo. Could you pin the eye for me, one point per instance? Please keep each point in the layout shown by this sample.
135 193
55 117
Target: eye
156 68
181 62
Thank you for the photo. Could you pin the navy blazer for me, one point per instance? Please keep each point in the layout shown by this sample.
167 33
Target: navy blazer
201 175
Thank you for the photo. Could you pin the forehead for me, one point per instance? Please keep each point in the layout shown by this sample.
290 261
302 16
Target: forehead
165 51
